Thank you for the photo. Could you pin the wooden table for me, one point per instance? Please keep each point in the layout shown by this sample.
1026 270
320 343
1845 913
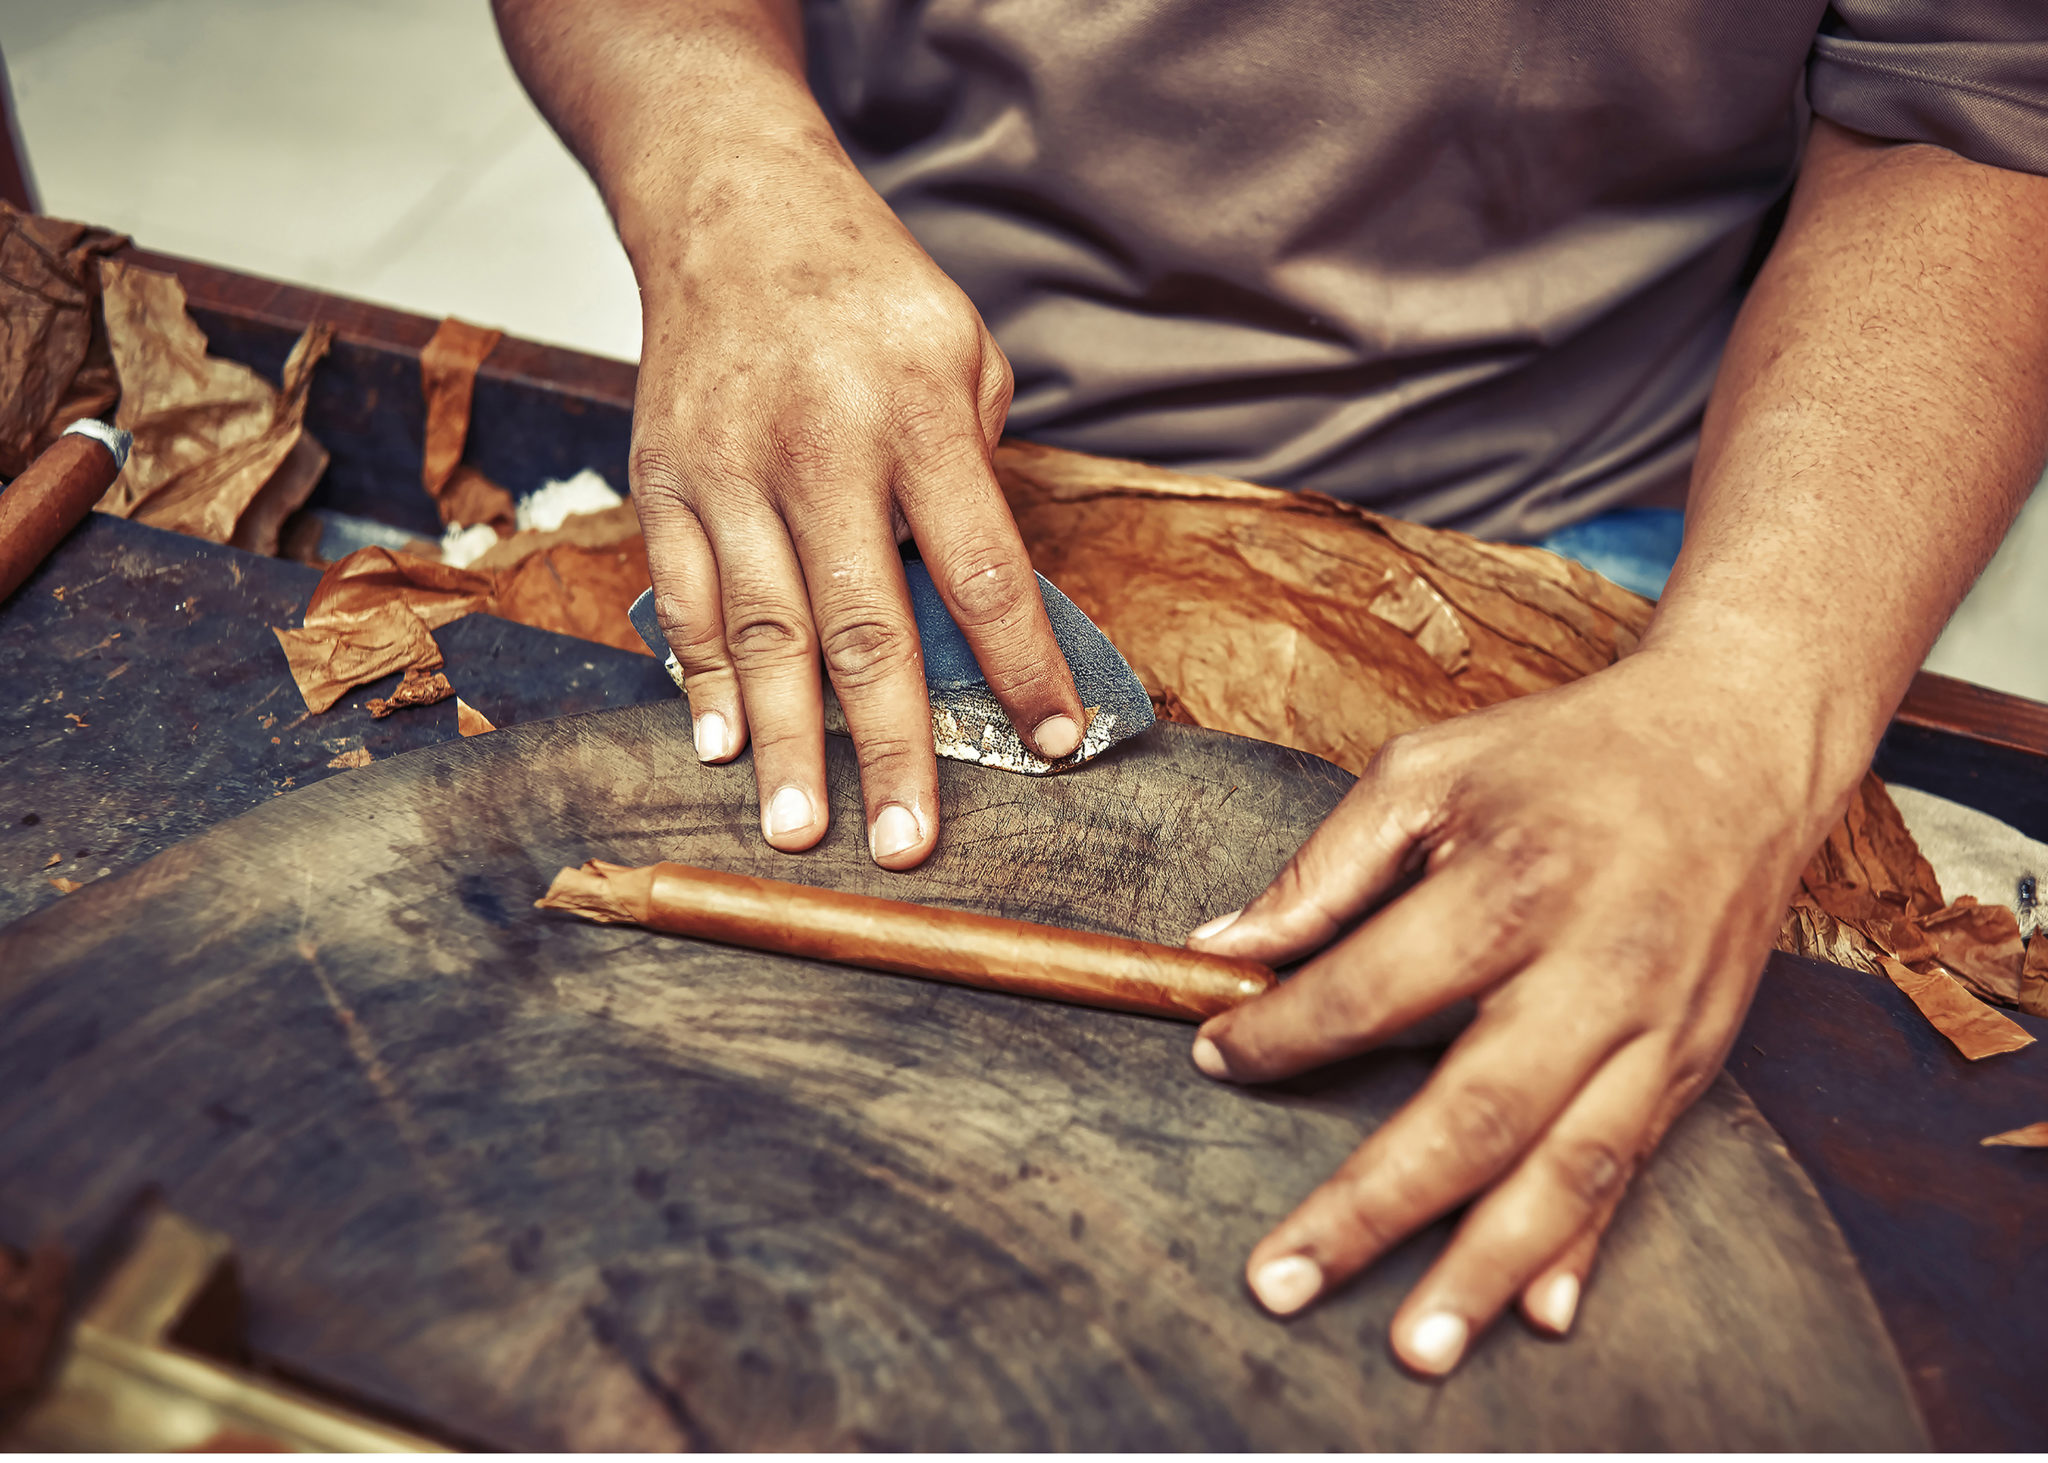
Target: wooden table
185 725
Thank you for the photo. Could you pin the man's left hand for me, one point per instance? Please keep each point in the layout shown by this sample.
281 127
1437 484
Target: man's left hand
1603 868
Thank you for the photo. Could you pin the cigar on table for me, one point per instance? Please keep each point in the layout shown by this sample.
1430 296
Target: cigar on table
911 939
54 493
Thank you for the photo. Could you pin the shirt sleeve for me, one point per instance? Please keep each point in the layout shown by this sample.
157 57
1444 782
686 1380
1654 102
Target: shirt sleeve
1969 75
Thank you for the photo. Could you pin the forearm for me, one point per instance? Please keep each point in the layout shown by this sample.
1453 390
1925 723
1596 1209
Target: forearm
676 107
1881 411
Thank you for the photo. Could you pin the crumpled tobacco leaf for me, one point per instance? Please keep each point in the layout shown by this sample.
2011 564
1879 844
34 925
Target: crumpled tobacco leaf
1980 945
418 688
1322 626
54 363
2034 977
371 612
1301 620
448 367
2033 1135
214 441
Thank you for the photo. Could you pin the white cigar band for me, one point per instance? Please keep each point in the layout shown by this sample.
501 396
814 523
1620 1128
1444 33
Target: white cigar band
115 439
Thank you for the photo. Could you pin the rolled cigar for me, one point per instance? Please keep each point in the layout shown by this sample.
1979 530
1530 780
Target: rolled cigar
53 494
911 939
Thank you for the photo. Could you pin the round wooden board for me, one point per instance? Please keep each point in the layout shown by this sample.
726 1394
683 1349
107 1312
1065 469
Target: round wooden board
552 1184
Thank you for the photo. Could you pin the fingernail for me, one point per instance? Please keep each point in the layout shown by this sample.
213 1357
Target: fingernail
1215 926
895 829
1285 1285
711 736
788 811
1209 1057
1558 1302
1056 737
1437 1341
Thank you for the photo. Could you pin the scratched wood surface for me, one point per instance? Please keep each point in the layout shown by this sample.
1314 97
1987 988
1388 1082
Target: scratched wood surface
554 1184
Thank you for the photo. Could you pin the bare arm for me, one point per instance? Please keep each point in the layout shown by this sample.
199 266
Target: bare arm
813 389
1607 863
1880 415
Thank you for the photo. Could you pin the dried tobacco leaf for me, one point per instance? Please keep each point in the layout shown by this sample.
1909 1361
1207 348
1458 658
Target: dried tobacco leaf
1976 1029
331 657
469 721
353 758
2034 977
448 367
209 433
579 591
54 364
418 688
1980 945
2033 1135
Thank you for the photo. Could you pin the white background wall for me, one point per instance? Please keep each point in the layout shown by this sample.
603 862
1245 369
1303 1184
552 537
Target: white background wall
383 149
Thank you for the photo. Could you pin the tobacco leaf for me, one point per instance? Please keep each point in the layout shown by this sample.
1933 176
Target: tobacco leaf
331 657
370 614
54 365
469 721
1980 944
2034 977
579 591
606 527
352 759
418 688
470 498
448 367
210 434
1976 1030
2033 1135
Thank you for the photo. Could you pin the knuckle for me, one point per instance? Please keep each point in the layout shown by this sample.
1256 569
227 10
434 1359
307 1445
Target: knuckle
654 468
1483 1123
888 760
988 586
861 652
767 638
693 634
1590 1171
805 445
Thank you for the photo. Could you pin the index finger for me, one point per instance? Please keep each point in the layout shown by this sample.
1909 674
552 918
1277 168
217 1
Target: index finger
977 561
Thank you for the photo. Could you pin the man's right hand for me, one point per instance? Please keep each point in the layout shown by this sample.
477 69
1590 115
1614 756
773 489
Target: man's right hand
813 391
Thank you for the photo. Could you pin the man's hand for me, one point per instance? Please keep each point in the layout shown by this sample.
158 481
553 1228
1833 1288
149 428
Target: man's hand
1604 867
813 391
1604 864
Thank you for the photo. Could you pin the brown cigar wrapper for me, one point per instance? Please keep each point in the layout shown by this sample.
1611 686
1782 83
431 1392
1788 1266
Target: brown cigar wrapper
911 939
49 499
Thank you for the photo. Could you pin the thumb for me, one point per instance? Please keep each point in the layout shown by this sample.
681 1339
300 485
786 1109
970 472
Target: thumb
1365 849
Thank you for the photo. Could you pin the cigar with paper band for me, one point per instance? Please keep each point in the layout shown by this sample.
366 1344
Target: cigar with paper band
911 939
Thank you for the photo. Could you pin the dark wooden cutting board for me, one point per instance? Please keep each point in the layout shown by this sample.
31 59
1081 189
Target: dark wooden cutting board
554 1184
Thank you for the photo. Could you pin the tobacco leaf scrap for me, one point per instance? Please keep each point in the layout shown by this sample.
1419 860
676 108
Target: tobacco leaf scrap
214 441
418 688
1975 1028
356 624
2033 1135
469 721
353 758
2034 977
54 363
448 367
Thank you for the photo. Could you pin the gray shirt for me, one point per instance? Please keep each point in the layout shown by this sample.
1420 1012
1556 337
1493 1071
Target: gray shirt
1471 262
